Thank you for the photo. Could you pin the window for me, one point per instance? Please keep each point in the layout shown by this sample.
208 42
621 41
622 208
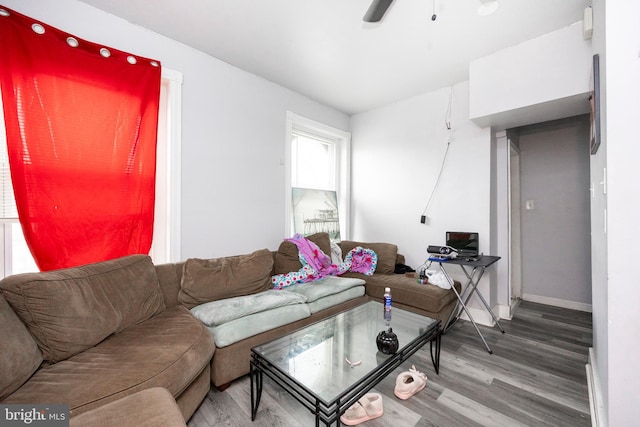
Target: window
15 256
14 253
317 178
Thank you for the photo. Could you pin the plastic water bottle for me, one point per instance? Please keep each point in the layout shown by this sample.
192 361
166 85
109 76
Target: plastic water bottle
387 304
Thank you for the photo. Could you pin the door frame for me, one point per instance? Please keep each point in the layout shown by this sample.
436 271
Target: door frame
514 227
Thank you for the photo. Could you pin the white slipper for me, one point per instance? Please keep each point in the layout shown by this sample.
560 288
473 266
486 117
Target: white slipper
409 383
366 408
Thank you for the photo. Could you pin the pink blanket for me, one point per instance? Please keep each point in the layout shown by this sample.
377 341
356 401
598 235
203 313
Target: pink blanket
316 264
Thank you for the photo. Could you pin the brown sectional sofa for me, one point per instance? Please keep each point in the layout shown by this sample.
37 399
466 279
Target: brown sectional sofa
141 335
92 335
232 361
427 300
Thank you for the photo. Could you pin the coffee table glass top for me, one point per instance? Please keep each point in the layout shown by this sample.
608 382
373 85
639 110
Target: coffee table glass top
318 356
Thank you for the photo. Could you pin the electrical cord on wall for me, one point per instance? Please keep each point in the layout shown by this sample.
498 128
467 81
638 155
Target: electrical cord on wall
447 123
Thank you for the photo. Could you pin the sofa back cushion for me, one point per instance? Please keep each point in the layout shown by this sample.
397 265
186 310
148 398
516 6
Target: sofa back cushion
387 254
205 280
286 259
20 355
70 310
170 277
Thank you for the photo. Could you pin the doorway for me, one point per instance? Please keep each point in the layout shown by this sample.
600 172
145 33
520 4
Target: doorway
549 218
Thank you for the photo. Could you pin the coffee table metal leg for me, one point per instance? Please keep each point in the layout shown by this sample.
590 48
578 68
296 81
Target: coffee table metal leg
436 359
256 389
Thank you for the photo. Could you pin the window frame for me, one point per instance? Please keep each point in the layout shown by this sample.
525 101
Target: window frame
166 243
342 141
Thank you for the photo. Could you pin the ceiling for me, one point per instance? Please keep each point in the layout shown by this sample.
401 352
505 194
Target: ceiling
323 49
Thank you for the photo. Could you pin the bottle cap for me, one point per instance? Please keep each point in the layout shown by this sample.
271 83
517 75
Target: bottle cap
387 289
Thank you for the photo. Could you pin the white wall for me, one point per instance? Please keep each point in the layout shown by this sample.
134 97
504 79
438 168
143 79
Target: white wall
397 151
542 79
623 208
615 214
233 132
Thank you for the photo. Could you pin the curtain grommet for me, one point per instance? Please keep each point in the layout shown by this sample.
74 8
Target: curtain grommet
37 28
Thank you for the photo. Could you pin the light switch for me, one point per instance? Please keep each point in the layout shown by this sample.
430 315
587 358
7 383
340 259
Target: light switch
529 205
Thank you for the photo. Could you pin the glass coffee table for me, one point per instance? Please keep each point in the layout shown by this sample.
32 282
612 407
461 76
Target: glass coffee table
329 365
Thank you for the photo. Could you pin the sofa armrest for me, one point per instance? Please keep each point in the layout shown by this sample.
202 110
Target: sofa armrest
153 407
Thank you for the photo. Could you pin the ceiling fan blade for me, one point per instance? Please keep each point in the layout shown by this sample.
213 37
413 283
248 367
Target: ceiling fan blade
377 10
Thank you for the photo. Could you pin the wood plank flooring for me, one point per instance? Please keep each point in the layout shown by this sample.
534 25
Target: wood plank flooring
535 377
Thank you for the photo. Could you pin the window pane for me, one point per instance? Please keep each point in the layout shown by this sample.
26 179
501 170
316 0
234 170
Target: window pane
7 201
313 163
315 211
21 259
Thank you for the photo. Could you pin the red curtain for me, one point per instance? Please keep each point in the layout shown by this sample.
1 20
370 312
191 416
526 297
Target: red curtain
81 122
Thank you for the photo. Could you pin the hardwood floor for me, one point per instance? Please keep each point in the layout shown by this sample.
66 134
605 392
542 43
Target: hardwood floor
535 377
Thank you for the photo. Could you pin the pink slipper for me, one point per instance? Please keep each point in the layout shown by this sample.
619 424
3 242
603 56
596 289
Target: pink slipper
366 408
409 383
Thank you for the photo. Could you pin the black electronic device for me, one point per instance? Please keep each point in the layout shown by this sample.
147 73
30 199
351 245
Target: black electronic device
466 243
442 250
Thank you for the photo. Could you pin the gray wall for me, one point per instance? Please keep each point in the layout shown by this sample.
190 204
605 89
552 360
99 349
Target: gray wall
556 260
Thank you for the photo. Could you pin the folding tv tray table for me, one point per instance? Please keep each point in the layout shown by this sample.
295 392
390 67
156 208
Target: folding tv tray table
474 269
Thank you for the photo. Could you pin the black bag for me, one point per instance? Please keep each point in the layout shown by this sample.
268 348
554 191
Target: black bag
401 269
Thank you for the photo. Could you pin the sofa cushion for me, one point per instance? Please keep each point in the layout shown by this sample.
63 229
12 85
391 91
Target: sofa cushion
20 355
328 285
387 254
256 323
205 280
336 299
73 309
287 260
216 313
169 277
169 350
409 292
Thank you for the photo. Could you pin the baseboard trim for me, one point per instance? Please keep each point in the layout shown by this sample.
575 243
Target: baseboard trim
556 302
506 311
595 398
480 315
